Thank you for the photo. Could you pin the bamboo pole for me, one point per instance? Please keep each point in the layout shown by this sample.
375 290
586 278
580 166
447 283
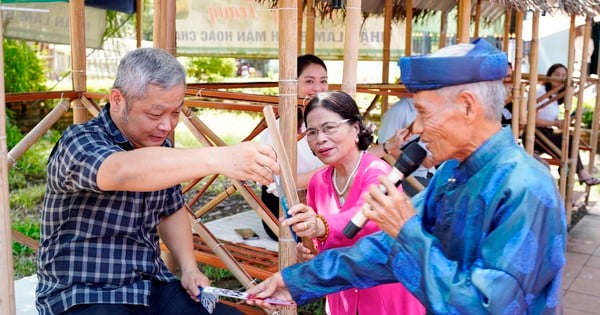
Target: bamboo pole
287 110
300 17
533 80
351 40
408 28
517 87
464 19
138 23
310 27
7 287
477 18
443 29
169 30
579 110
387 36
565 184
91 107
594 132
287 173
507 20
157 31
77 31
37 132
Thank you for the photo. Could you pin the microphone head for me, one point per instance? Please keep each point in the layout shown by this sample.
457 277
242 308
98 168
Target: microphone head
411 158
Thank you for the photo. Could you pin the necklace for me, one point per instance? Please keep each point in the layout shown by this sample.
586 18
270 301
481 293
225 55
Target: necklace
341 192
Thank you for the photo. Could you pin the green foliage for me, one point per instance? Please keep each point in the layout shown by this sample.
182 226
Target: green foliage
13 134
211 69
27 198
23 70
216 274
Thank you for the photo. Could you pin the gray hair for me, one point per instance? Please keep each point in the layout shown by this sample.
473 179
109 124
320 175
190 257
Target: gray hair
491 94
147 66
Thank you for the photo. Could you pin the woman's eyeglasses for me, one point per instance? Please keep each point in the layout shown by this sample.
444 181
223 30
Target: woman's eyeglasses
327 128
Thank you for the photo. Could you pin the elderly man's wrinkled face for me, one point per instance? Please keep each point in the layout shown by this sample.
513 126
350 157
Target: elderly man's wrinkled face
441 124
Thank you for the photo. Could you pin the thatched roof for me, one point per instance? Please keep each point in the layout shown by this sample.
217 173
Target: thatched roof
490 9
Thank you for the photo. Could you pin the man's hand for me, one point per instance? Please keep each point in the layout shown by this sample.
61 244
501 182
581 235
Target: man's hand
248 161
390 211
273 287
192 279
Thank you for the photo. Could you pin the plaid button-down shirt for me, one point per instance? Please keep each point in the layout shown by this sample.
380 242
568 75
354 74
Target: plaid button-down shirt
97 246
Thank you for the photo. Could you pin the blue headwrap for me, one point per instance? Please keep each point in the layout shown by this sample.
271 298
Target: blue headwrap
483 63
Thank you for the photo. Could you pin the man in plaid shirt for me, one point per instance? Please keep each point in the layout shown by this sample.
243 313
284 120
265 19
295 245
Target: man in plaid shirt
113 188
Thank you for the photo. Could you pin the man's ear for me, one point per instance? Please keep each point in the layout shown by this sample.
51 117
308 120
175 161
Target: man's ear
470 105
116 99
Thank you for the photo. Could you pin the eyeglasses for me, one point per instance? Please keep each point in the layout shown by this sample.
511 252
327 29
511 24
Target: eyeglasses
327 128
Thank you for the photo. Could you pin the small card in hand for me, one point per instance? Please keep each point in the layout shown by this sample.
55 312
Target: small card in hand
247 234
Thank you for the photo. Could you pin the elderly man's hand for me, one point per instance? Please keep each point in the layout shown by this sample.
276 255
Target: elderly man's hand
272 287
390 211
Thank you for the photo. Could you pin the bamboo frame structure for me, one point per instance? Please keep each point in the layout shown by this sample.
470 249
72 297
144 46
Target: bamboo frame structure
533 80
78 61
7 290
566 162
351 40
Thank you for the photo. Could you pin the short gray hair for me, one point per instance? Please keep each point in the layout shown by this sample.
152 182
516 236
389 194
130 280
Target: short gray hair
147 66
491 94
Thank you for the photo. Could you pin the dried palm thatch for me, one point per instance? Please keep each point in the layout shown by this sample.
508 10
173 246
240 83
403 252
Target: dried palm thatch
577 7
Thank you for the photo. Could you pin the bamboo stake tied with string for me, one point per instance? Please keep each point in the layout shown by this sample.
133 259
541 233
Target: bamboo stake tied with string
287 177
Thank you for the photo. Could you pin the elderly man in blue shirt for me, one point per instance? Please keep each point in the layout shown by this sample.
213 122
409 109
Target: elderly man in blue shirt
488 234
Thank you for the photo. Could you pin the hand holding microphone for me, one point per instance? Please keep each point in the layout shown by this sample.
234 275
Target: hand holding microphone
410 159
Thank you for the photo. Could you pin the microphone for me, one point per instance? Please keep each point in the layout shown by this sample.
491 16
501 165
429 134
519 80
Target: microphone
410 159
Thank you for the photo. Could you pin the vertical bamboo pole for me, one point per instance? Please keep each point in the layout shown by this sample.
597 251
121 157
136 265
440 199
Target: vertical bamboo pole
464 19
477 18
594 132
443 29
408 29
300 17
77 31
505 39
387 35
517 92
579 110
7 287
351 40
288 93
565 181
138 22
169 30
310 27
533 80
158 29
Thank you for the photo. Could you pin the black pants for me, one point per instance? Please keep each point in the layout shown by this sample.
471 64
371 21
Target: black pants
272 202
165 298
556 138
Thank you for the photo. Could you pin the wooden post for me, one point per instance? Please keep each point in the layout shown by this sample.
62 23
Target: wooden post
169 30
505 39
477 18
517 92
288 94
351 40
594 132
309 43
443 30
138 22
565 184
579 110
158 37
7 286
408 29
78 63
300 17
387 35
533 80
464 19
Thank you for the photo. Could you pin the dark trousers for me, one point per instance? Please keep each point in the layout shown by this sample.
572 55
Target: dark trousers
272 202
556 138
165 298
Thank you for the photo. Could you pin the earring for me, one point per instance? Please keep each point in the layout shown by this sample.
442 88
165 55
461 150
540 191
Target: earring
356 140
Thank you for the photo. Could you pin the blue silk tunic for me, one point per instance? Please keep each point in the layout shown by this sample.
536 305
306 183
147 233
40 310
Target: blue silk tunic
489 237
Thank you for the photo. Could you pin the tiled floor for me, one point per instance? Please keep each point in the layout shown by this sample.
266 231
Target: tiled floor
581 279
